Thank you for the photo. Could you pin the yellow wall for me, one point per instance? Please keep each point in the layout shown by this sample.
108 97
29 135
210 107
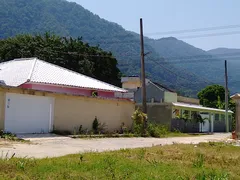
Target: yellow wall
131 84
170 97
72 111
188 100
2 109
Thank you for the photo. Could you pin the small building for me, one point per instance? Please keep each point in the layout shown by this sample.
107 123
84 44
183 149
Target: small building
165 106
38 97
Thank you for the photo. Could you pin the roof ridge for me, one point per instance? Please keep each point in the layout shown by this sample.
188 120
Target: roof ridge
31 71
6 62
155 85
80 74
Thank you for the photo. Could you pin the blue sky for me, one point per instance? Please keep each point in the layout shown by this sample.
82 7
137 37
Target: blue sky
173 15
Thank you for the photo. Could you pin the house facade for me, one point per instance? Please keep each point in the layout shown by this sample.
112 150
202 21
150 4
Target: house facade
38 97
164 106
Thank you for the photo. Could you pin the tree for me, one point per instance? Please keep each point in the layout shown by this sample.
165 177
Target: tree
69 53
211 95
214 96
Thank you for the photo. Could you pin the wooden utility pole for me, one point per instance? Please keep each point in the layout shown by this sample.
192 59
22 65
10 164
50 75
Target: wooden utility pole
226 98
144 103
144 99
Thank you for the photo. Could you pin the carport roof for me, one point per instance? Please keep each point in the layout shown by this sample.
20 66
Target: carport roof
194 107
32 70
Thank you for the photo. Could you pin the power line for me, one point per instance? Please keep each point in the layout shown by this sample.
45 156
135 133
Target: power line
209 35
201 60
110 41
169 70
204 56
194 30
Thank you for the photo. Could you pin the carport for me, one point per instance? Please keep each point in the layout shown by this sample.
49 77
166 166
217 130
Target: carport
215 120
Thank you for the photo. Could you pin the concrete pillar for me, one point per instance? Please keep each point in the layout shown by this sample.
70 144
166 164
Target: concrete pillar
212 122
237 117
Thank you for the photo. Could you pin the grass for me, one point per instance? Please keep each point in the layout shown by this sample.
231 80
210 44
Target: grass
203 161
8 137
130 135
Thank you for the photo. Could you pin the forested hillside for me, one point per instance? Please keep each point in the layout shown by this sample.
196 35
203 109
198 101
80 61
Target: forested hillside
233 59
70 19
187 57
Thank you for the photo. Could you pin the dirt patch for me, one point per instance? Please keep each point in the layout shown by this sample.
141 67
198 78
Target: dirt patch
4 143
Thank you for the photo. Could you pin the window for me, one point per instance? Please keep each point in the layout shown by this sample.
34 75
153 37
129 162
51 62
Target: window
186 114
94 93
176 113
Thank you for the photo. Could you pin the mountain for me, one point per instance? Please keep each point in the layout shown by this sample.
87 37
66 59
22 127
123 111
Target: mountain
190 59
70 19
224 51
233 58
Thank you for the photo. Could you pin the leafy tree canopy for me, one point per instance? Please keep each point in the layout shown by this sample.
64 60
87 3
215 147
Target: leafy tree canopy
69 53
211 95
214 96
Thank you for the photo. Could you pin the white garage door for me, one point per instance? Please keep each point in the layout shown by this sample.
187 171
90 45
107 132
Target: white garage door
28 114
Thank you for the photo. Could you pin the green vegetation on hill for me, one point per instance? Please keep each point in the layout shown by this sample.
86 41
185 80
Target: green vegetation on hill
233 58
72 20
206 67
70 53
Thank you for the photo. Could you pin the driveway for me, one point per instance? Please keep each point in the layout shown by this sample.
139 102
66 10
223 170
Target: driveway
49 145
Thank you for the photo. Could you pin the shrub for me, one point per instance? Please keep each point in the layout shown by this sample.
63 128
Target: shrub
137 129
123 129
95 125
156 130
138 117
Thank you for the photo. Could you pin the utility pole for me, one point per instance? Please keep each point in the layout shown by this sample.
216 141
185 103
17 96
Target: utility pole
226 98
144 103
144 99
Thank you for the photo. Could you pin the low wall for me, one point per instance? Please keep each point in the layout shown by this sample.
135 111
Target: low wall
182 126
71 112
2 109
159 113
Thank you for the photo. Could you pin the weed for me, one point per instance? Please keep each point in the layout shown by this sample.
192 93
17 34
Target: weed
199 162
6 156
212 175
110 163
141 153
21 165
9 136
153 162
81 158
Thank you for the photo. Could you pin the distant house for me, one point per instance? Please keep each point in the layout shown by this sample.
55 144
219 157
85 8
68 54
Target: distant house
36 96
165 106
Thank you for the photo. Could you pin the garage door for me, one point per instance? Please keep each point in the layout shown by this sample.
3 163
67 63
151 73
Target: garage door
28 114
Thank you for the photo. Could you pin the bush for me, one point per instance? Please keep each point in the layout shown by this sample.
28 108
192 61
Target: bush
156 130
95 125
98 127
138 129
139 117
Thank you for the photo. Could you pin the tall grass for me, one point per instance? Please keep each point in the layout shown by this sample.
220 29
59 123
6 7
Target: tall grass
206 161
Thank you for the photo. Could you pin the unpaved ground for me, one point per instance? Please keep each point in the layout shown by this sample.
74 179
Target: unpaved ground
52 146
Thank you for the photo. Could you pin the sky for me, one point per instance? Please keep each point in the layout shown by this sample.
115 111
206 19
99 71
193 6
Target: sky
174 15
